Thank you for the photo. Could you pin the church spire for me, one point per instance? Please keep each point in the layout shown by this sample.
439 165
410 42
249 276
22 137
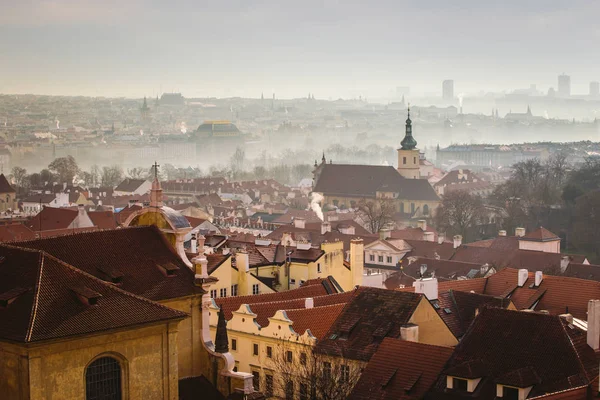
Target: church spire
409 142
323 158
156 190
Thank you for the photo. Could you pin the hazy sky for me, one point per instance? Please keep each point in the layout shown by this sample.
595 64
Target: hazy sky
330 48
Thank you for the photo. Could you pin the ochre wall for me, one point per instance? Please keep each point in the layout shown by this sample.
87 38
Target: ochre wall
432 329
56 370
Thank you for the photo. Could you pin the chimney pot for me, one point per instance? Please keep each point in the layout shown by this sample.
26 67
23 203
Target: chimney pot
409 332
457 241
429 236
539 275
428 287
593 328
502 233
384 233
522 277
299 222
309 302
520 232
422 224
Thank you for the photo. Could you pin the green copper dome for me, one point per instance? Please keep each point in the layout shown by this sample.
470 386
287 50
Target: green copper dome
409 142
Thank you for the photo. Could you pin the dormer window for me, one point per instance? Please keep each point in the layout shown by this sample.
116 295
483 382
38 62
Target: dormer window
462 384
112 275
168 269
10 296
86 295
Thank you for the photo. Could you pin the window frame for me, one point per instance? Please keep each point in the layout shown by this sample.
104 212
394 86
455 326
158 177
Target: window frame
255 289
124 367
233 344
255 349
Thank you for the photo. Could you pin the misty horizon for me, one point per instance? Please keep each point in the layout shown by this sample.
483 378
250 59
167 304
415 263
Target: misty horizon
332 49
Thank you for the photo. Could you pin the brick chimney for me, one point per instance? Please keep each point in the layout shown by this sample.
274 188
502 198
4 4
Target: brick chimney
593 328
457 241
299 222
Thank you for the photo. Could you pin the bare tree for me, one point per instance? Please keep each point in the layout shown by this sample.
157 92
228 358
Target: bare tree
310 376
65 167
112 176
376 214
458 212
19 176
138 173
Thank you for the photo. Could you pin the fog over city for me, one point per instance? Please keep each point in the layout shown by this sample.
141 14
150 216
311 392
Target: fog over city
299 200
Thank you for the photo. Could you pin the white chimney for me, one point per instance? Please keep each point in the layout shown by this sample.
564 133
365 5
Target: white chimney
539 275
242 261
422 224
564 263
593 324
303 245
384 233
347 230
441 238
409 332
457 241
520 232
299 222
194 244
429 236
325 227
309 302
502 233
522 277
80 210
427 286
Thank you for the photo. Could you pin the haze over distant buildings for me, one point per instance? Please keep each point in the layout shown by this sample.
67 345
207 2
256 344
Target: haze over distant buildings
335 49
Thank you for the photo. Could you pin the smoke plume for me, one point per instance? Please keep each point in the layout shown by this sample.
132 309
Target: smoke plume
315 200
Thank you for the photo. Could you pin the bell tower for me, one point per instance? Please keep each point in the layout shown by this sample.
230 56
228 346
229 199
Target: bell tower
408 154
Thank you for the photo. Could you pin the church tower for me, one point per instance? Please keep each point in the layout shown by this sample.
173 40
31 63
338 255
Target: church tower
408 154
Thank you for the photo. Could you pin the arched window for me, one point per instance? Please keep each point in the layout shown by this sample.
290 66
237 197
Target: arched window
103 380
425 209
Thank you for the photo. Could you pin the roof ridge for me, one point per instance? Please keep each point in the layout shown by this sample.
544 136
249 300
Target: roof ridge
33 315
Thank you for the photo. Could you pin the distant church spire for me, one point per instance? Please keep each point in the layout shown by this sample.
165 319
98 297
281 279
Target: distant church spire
323 158
156 190
409 142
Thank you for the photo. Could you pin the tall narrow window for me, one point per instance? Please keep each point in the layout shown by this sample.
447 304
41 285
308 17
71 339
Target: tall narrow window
403 160
103 380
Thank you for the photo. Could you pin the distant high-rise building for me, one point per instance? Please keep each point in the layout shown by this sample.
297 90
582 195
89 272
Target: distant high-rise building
594 89
564 85
448 89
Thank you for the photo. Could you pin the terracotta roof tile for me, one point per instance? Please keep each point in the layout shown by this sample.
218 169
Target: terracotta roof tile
103 219
400 370
317 319
554 350
15 232
541 234
215 261
52 218
50 307
371 315
135 253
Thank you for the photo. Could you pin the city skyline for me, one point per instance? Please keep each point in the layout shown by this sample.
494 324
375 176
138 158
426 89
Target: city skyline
330 48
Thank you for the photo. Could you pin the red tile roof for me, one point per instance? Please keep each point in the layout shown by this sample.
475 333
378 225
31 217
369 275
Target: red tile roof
103 219
505 342
15 232
371 315
230 304
318 319
51 218
133 256
49 308
215 261
400 370
541 234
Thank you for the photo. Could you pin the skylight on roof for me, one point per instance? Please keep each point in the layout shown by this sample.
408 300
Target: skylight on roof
447 311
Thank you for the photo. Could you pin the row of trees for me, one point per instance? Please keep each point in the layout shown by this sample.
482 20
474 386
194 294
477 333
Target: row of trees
554 194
